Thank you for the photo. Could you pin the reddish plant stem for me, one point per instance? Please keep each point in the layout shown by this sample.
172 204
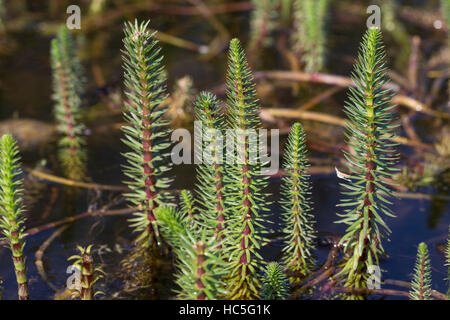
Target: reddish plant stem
200 250
150 192
87 277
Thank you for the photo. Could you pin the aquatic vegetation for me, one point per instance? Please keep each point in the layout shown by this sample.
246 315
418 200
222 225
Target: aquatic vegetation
210 174
244 189
396 30
145 134
371 160
263 21
67 90
217 236
296 206
199 268
275 283
421 282
309 38
90 274
11 209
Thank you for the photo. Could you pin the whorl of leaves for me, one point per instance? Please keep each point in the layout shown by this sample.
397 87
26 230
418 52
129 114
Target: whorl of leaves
275 283
145 133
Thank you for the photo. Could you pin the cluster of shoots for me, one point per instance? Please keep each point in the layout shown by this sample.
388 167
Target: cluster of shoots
67 91
218 230
89 274
11 209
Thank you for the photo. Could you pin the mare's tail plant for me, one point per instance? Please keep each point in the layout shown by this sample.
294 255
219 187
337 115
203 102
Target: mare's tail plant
145 134
421 282
199 268
89 273
309 39
67 90
244 190
296 206
371 160
11 209
263 21
275 283
210 174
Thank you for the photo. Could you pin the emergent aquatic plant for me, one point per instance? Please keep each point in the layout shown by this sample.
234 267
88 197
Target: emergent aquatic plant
296 206
210 174
275 283
310 37
89 273
262 23
244 190
199 268
145 135
11 209
371 160
421 283
67 90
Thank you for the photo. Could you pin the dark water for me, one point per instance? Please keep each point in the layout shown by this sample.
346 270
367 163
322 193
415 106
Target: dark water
25 92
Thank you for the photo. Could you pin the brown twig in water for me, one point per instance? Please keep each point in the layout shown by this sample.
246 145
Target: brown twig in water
73 183
40 254
329 119
322 274
407 285
319 98
346 82
102 212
